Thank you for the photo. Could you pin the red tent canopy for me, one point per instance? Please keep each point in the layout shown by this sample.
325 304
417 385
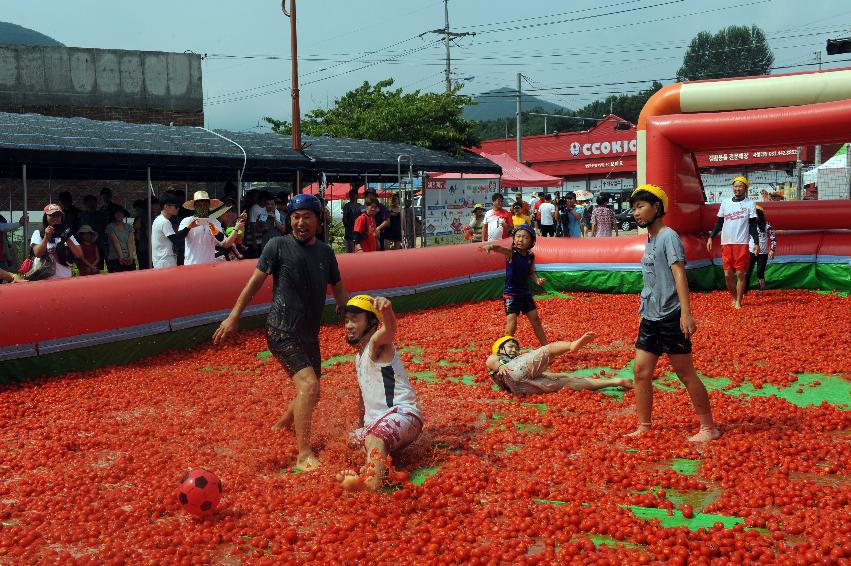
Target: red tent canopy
514 174
339 191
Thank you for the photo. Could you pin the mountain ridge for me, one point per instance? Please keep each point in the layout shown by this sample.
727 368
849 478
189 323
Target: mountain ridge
501 103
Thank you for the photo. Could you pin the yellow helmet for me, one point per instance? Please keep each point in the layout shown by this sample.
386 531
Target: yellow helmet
759 207
498 344
655 191
362 303
742 179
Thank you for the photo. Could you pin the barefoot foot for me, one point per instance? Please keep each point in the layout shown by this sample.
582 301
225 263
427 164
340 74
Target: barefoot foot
625 383
350 480
307 462
706 434
642 429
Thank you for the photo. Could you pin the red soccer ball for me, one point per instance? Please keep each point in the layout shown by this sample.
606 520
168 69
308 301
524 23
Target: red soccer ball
199 492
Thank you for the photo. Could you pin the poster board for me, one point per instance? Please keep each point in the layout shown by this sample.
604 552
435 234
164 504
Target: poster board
449 206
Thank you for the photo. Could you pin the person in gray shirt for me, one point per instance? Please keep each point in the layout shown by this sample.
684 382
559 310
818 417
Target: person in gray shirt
667 324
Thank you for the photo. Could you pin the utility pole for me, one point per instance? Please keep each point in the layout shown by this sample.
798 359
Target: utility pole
818 59
447 37
296 133
519 135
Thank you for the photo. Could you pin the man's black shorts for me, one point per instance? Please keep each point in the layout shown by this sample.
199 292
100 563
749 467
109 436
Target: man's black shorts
295 352
663 336
519 305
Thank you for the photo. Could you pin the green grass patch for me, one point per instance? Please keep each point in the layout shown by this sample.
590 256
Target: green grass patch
685 466
337 360
420 475
676 519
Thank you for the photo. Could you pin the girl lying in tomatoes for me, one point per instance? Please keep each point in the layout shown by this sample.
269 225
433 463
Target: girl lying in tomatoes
390 416
525 374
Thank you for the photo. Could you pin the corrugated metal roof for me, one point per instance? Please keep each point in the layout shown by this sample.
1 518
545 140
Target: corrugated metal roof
73 147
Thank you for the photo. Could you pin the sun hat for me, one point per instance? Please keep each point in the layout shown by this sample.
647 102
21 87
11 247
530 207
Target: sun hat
86 229
202 195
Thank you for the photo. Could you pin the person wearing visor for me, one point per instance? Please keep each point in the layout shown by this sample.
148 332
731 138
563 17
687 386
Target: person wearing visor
737 223
390 417
526 374
667 324
54 247
302 268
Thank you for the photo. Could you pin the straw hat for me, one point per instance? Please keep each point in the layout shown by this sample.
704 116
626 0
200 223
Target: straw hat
202 195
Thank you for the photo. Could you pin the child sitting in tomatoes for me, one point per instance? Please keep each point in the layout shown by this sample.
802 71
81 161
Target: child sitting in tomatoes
390 416
526 374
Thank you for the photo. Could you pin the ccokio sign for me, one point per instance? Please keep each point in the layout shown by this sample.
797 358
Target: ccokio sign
603 148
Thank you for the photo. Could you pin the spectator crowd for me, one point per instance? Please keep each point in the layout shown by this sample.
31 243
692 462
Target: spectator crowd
550 215
103 236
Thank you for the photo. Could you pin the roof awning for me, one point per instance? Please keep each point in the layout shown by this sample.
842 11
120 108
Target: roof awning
79 148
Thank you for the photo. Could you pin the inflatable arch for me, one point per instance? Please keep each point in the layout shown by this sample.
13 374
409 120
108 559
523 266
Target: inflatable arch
58 326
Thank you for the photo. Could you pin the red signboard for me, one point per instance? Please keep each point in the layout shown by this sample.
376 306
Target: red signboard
604 150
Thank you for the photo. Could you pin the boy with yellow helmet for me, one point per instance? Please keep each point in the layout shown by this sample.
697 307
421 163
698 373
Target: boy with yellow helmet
665 311
519 272
390 416
737 224
526 374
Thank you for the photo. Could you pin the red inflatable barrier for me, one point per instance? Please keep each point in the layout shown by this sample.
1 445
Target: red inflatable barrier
58 308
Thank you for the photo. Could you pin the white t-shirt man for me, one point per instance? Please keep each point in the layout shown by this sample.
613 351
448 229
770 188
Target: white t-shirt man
548 211
737 215
200 243
62 271
161 247
497 224
255 212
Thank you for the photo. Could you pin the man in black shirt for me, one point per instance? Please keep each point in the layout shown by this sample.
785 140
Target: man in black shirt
302 268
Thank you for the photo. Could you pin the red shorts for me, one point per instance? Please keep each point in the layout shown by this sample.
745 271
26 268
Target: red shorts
735 257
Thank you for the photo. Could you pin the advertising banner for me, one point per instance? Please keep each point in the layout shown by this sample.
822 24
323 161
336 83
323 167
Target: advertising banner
449 206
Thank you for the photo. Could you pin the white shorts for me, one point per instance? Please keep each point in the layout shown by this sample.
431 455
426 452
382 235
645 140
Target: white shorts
397 428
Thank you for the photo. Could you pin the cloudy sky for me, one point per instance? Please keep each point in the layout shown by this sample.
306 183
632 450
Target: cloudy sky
572 52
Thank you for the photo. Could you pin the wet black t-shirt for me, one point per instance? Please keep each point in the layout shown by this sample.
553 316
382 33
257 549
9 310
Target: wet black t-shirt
301 277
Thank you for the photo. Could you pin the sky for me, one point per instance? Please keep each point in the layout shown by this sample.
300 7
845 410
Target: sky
570 52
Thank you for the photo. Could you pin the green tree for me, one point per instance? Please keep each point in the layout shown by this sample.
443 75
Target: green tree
736 51
377 112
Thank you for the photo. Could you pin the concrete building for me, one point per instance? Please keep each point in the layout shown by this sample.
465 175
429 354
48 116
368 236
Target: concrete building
102 84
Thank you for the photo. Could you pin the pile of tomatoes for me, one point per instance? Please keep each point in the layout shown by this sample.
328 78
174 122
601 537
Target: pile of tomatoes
90 461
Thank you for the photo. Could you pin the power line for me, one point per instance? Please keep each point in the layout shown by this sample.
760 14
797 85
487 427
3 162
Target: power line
274 83
473 26
278 90
510 94
581 18
630 24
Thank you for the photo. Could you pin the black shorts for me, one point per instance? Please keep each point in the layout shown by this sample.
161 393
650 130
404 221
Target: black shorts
519 305
548 230
663 336
294 351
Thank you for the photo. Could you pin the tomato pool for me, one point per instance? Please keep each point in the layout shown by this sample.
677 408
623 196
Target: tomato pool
91 461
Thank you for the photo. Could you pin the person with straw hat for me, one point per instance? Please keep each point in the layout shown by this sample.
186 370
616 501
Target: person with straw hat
204 233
